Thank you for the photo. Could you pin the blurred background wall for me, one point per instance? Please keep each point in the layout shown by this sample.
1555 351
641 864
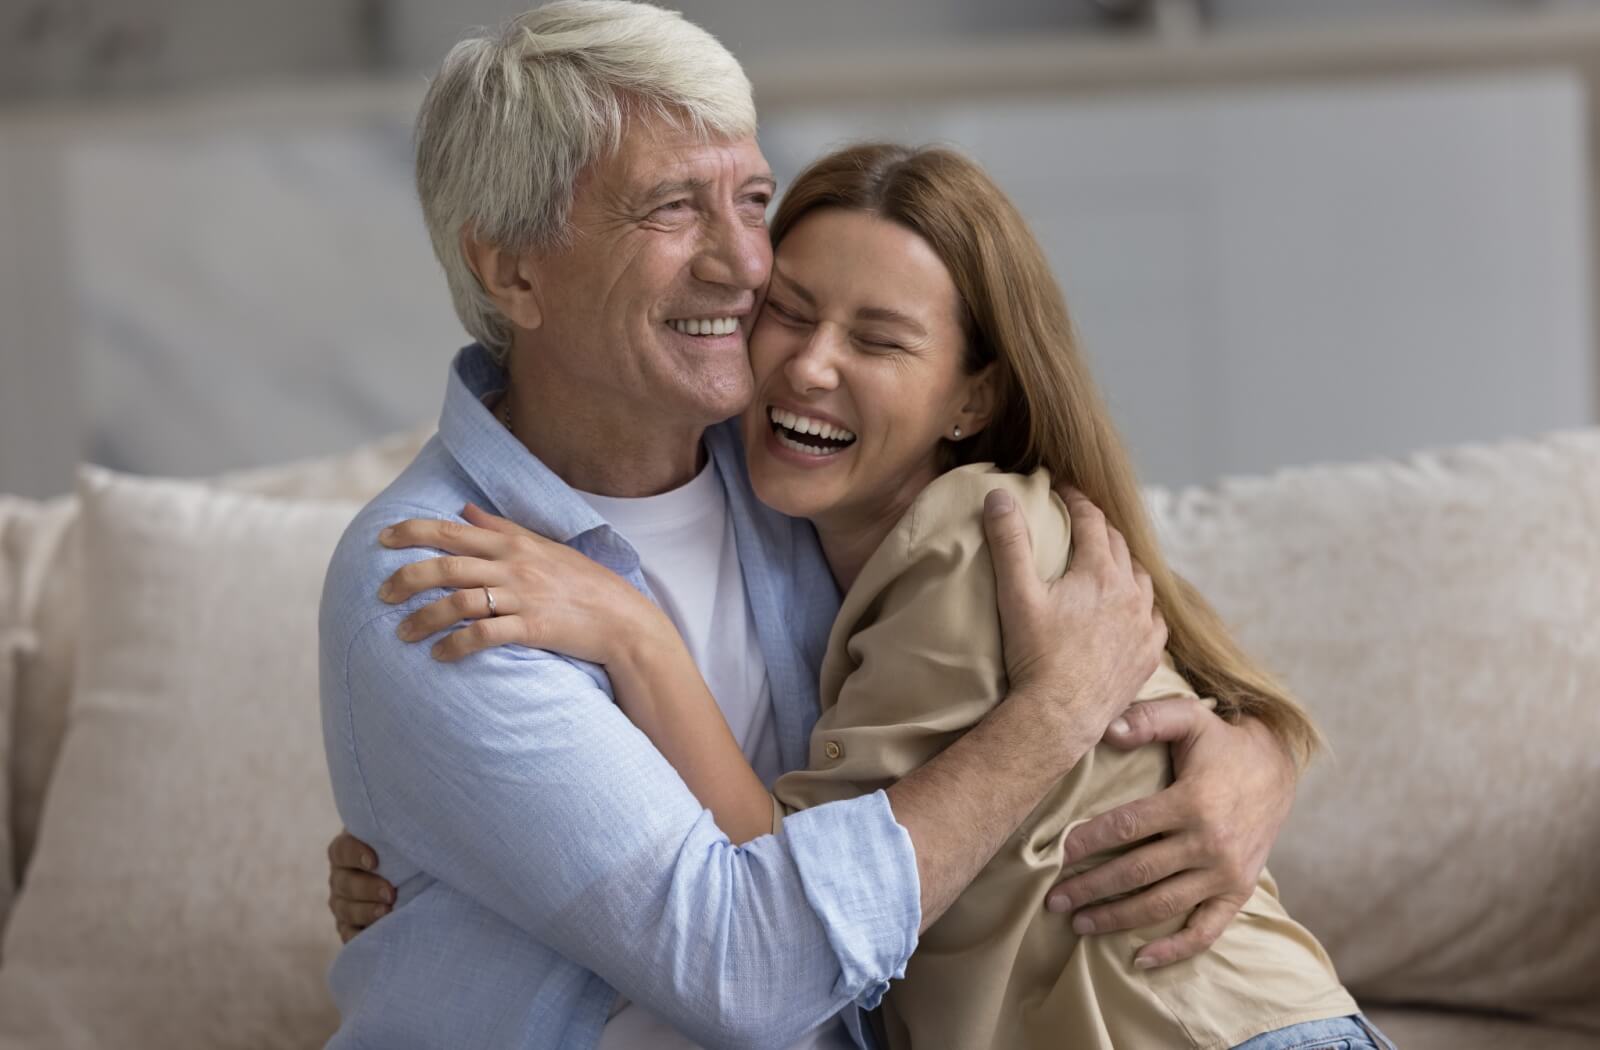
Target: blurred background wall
1290 230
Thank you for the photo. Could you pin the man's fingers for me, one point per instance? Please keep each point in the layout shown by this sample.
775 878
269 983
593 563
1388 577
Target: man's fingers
1147 586
1169 721
1126 873
1122 827
356 913
360 886
1177 895
1067 491
1119 549
1200 933
347 851
1010 547
1091 542
1158 638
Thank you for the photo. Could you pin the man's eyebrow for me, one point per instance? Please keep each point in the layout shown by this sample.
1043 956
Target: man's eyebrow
670 187
673 187
883 313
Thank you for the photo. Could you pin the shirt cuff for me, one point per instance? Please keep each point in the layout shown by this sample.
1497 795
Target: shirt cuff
859 873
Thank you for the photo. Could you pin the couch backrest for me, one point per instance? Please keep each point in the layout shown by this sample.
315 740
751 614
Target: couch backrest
1440 616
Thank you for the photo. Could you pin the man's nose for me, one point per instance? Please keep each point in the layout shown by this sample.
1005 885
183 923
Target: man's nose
735 254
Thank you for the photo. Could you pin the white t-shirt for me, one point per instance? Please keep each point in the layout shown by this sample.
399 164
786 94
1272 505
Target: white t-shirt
688 555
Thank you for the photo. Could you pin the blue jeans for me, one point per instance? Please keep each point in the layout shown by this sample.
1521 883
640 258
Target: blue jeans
1338 1033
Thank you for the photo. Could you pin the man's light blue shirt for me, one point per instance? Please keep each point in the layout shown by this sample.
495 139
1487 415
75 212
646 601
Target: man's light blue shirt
546 856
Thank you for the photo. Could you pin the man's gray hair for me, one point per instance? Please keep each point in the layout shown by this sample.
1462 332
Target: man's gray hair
514 115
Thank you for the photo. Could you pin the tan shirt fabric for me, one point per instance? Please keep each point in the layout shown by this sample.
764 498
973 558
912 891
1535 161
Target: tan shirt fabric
914 660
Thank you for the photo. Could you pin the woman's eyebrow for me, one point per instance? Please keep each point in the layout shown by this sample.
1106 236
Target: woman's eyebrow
792 285
866 313
884 313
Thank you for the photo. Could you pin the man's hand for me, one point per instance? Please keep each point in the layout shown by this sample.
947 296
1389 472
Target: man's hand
959 807
1104 604
1211 831
356 896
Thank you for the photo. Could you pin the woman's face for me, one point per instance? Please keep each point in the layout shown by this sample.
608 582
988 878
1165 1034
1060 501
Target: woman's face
858 362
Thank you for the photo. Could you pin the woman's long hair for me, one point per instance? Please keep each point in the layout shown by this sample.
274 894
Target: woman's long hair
1048 411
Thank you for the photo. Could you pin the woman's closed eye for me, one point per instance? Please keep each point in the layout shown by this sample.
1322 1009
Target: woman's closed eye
785 314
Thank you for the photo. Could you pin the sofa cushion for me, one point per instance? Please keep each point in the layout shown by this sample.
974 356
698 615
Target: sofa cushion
33 585
1437 1030
1441 618
48 551
177 893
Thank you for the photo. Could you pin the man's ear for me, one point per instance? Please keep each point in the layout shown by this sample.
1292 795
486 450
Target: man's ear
509 279
977 407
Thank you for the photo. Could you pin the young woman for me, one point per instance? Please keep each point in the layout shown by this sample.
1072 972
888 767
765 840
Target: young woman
914 359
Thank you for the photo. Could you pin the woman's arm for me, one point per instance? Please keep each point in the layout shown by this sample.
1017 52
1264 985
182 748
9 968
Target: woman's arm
660 690
551 597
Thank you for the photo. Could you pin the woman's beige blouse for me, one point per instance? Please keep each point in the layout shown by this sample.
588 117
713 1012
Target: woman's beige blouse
913 662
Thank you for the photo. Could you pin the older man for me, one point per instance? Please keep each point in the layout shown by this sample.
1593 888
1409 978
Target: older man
592 184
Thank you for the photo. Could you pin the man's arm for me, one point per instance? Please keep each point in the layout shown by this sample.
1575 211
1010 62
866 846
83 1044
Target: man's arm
963 804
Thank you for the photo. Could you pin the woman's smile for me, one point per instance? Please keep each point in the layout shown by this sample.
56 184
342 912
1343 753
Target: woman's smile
806 437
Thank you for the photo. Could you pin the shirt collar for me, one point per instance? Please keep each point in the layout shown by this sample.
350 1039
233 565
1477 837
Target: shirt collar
519 486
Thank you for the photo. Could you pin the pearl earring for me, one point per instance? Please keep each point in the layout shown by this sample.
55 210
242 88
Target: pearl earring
956 434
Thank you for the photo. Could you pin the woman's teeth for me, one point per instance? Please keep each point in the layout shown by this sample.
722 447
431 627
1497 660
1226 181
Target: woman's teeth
706 325
793 430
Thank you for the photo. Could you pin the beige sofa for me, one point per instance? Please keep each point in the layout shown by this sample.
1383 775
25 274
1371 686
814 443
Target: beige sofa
165 802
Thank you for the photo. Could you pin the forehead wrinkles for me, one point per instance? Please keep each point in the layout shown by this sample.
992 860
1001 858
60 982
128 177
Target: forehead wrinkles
676 159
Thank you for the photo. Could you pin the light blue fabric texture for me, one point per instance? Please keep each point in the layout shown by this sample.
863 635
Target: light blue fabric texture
546 856
1336 1033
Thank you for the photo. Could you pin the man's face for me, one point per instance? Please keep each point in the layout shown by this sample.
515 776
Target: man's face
650 304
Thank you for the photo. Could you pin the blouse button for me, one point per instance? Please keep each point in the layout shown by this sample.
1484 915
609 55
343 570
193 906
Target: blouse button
832 750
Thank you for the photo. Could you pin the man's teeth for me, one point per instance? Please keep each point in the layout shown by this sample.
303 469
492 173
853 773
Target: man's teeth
706 325
806 425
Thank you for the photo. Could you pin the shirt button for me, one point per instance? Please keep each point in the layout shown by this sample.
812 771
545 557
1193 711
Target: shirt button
832 749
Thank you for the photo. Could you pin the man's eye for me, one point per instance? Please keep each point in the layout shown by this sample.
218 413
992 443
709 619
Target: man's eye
671 208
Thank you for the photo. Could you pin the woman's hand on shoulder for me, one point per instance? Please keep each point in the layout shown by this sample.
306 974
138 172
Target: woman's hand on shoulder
511 586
